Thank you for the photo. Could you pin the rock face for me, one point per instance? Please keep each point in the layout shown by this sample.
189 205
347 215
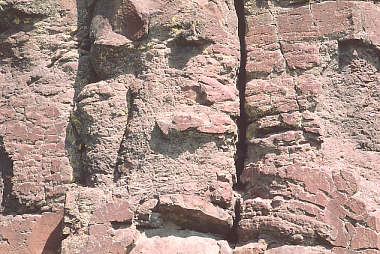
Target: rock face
197 126
311 105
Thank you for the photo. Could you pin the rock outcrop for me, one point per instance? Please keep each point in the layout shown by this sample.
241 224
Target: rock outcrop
199 126
308 68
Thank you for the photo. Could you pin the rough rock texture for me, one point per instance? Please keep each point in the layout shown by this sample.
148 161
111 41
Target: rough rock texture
38 66
311 174
189 126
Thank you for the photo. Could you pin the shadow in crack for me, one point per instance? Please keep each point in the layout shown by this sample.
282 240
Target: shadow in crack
74 144
356 54
6 185
175 145
182 51
10 204
53 243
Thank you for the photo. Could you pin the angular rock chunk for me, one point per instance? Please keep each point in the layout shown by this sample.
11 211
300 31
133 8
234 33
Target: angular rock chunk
36 233
173 244
195 213
200 119
288 249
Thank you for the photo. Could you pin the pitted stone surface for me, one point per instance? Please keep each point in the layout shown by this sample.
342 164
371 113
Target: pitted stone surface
123 126
300 185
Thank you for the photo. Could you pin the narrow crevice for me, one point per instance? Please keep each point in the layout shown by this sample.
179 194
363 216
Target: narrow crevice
77 150
6 168
131 96
54 242
233 237
242 122
74 143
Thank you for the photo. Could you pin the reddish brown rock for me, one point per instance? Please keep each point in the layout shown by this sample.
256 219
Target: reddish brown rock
297 249
100 121
125 116
292 178
194 213
300 55
173 244
31 233
251 248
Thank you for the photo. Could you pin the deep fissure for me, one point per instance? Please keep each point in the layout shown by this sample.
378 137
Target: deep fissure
8 203
242 121
131 96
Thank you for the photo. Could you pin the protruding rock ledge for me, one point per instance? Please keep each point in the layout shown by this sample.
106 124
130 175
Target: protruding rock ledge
193 212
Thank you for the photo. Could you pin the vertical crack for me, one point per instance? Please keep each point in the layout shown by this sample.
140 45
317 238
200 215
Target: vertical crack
6 170
242 121
131 96
311 13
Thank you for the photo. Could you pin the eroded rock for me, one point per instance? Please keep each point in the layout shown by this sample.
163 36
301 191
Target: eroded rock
119 123
296 189
172 244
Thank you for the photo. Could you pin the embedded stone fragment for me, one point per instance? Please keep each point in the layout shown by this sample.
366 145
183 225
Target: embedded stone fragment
251 248
195 213
200 119
115 212
288 249
300 55
174 244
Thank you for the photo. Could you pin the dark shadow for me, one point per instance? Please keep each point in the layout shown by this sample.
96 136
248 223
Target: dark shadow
262 3
18 63
120 225
132 108
120 60
6 169
242 122
10 204
349 50
182 51
289 3
13 21
173 145
74 144
53 243
76 150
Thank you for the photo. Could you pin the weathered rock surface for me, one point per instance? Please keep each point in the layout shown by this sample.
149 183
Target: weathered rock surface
31 233
172 244
39 62
305 91
197 126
